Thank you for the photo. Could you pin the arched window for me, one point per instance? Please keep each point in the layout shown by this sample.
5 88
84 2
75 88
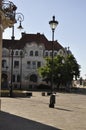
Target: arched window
16 53
36 53
33 78
4 63
4 81
31 53
51 53
55 53
46 53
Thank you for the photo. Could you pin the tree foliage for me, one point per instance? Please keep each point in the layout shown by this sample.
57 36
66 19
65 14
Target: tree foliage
64 69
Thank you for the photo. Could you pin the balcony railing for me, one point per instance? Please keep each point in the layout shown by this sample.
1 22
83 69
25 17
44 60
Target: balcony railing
7 12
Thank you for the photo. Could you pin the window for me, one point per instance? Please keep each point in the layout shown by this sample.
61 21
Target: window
18 78
55 53
36 53
33 64
28 64
33 78
16 53
38 64
16 64
31 53
46 53
21 53
3 63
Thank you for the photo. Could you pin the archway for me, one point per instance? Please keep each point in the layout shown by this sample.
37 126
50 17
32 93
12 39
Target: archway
33 78
4 81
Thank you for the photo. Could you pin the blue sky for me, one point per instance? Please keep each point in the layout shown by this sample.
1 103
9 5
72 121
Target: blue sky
71 30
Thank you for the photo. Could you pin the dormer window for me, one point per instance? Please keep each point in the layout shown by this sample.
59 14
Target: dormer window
50 53
16 53
55 53
36 53
46 53
31 53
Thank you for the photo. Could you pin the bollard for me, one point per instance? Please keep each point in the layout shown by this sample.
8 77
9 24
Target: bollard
29 94
52 100
43 93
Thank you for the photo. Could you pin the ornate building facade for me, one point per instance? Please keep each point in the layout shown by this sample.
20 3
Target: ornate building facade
29 54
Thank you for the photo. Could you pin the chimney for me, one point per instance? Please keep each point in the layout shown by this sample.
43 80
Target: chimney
23 33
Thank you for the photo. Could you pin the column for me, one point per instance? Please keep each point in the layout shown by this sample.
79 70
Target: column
0 51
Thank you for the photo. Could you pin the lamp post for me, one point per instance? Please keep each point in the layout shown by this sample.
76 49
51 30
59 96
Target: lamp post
21 56
19 18
53 24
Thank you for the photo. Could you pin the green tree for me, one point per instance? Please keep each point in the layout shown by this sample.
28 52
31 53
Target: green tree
71 69
64 70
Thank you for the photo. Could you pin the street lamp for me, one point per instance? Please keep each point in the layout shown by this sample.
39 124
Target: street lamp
19 18
53 24
21 56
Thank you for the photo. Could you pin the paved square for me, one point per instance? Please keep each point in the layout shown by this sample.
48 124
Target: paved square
69 112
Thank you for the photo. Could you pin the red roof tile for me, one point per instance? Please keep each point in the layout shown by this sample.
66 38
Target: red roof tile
28 38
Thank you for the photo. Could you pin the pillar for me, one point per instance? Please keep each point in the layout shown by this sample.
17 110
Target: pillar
0 51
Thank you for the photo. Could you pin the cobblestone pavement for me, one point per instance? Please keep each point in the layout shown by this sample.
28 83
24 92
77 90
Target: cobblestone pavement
34 113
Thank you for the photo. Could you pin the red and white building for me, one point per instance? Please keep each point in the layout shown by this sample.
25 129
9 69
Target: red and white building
29 54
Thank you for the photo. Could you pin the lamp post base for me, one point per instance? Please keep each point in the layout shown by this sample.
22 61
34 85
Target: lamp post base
51 105
11 91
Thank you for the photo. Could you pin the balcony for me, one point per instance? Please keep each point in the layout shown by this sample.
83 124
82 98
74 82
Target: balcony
7 13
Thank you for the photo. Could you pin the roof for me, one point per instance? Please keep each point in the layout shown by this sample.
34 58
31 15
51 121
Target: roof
28 38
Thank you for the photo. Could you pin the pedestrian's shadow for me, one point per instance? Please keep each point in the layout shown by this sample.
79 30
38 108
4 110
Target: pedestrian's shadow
13 122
